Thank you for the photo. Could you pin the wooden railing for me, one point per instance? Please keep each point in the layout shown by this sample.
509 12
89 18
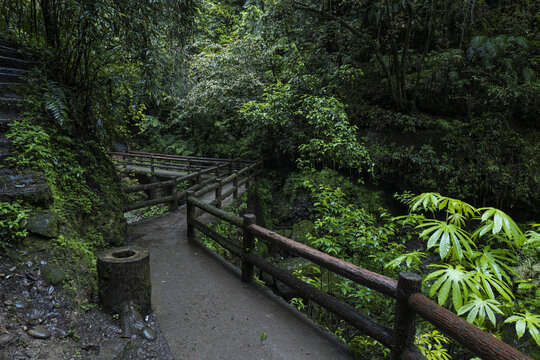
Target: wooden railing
203 175
410 302
175 163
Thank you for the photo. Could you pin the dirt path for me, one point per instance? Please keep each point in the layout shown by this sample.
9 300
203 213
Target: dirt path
206 312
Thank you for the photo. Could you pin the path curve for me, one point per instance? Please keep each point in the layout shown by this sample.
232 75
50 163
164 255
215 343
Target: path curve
206 313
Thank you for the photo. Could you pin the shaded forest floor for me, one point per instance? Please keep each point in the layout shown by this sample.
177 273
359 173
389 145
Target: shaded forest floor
32 305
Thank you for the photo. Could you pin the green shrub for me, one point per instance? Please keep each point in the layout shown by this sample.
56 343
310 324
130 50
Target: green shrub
12 222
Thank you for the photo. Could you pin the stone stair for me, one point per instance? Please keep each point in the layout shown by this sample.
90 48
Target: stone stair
15 185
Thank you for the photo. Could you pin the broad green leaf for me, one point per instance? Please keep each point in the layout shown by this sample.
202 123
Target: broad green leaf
520 328
533 330
444 247
443 292
457 300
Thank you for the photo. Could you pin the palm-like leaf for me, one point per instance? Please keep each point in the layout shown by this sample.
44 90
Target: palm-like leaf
447 237
490 284
425 201
411 259
533 236
457 206
432 345
479 308
497 261
497 221
455 278
526 321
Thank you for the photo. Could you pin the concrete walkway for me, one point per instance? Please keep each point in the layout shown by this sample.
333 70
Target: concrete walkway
206 312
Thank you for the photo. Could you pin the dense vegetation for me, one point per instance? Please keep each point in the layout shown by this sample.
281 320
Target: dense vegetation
95 70
348 102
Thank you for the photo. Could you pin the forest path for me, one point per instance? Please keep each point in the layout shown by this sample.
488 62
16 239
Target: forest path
206 312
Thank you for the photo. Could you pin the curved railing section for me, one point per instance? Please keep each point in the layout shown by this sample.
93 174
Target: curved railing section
201 174
410 301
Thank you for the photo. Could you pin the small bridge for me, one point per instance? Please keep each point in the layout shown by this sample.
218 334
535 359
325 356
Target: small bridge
206 312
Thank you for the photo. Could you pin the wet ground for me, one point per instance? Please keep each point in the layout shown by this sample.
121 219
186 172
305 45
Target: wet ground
206 312
201 310
38 321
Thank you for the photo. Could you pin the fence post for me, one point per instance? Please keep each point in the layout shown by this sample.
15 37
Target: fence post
247 247
190 210
152 163
174 201
235 184
405 319
199 177
219 192
230 168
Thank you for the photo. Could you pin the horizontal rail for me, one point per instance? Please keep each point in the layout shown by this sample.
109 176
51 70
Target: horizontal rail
161 200
220 239
222 214
207 189
151 202
169 166
479 342
179 157
230 178
159 184
158 161
355 273
347 312
225 195
408 301
249 168
200 187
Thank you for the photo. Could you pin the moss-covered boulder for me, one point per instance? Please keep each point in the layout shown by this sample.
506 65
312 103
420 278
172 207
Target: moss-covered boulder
53 274
261 249
285 232
292 265
301 230
47 224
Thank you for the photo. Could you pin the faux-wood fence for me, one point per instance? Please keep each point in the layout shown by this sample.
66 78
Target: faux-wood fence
202 174
410 301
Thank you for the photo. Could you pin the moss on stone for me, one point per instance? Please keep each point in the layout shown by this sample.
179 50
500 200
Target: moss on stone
301 231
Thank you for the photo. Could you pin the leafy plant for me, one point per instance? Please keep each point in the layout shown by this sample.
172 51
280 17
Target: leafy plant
432 345
526 321
446 237
479 308
498 261
12 224
455 278
480 279
32 143
497 221
411 259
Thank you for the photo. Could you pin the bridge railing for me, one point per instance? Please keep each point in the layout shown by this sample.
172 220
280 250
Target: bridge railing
410 301
203 175
177 163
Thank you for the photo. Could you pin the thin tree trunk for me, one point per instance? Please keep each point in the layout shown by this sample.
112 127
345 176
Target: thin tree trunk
48 23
